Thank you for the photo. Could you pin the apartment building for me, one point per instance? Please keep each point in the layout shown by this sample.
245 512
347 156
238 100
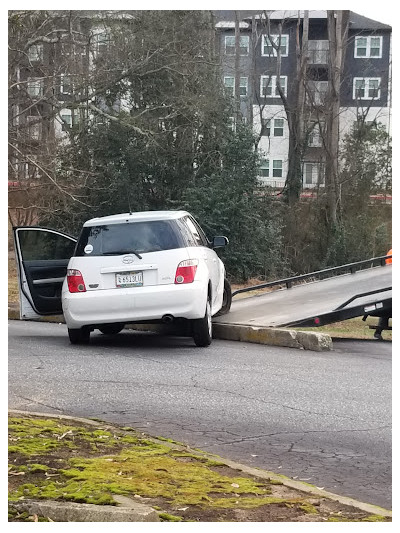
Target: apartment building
365 92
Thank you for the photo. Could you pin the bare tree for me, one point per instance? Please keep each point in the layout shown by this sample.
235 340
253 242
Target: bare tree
338 25
295 105
47 56
101 67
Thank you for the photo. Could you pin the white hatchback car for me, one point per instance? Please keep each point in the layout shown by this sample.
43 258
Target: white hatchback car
148 267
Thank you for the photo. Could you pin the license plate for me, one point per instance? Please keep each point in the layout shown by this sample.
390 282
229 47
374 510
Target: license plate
129 279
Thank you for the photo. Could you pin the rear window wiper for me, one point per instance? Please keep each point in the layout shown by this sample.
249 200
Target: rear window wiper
121 252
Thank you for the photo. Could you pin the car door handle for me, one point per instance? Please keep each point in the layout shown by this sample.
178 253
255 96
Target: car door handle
47 280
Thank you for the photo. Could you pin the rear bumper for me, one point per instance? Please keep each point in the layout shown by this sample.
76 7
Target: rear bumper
134 304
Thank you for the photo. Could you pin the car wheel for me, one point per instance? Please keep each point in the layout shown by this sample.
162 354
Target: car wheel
226 299
79 336
202 328
111 329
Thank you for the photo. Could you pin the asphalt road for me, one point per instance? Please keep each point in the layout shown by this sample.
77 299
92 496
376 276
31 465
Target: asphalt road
324 418
309 299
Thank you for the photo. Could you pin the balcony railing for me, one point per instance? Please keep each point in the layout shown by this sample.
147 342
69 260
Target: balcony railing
318 57
318 52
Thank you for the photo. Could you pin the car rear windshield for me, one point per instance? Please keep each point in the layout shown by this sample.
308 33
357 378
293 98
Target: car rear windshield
129 237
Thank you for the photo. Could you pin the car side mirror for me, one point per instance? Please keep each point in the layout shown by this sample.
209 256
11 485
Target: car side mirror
220 242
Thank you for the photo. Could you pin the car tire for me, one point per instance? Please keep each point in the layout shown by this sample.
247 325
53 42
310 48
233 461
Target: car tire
79 336
111 329
226 299
202 328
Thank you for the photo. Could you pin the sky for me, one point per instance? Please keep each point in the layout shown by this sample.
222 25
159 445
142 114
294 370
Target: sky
385 13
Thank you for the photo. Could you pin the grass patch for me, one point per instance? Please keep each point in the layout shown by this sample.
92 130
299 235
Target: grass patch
354 328
51 459
165 517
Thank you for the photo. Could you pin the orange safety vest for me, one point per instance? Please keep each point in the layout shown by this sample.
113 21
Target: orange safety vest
388 261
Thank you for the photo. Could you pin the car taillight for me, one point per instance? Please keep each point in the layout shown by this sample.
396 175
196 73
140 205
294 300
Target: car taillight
75 281
186 271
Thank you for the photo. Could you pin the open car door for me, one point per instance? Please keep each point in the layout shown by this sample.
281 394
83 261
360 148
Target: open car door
42 257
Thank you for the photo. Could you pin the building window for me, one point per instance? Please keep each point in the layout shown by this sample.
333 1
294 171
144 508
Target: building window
264 168
30 169
66 85
315 137
230 45
101 42
313 174
318 52
361 123
34 126
277 168
267 123
229 83
66 121
35 87
370 46
317 92
271 43
72 49
278 127
308 173
366 88
266 127
35 52
70 118
243 86
268 86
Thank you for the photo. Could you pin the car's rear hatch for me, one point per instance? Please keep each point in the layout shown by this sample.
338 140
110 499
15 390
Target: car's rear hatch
130 254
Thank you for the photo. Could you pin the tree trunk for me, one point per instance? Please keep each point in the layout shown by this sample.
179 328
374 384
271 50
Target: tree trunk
252 73
237 65
337 35
295 116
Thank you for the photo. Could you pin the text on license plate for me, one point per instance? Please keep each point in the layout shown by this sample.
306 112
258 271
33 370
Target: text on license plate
129 279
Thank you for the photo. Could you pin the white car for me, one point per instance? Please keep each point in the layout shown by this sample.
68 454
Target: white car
148 267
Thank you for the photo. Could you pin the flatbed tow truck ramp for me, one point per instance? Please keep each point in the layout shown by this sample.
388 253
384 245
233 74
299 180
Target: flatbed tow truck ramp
303 301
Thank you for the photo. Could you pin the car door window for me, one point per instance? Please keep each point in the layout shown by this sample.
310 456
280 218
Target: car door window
200 232
197 232
45 245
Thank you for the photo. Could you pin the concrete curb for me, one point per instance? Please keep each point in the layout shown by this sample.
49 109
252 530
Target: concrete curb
86 512
290 338
257 472
303 340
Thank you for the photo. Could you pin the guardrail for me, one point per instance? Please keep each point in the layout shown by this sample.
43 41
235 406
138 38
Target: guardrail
352 267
